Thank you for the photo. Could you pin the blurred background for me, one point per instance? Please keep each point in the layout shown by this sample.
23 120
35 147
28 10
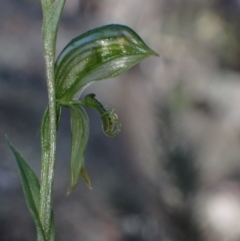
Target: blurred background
173 173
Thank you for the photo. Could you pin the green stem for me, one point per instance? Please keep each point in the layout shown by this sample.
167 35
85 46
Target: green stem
49 154
46 4
69 103
49 158
52 11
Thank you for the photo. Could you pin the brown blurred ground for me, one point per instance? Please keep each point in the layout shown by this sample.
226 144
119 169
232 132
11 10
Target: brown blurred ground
174 171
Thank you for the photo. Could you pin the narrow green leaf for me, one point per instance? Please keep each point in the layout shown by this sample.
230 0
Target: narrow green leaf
85 176
45 144
80 133
45 131
98 54
110 124
31 189
52 228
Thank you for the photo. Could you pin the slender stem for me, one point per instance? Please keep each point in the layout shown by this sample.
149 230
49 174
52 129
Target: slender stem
52 10
49 158
69 103
46 4
49 154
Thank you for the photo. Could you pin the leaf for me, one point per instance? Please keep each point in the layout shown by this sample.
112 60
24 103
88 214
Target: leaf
45 144
80 133
31 189
101 53
45 131
52 228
